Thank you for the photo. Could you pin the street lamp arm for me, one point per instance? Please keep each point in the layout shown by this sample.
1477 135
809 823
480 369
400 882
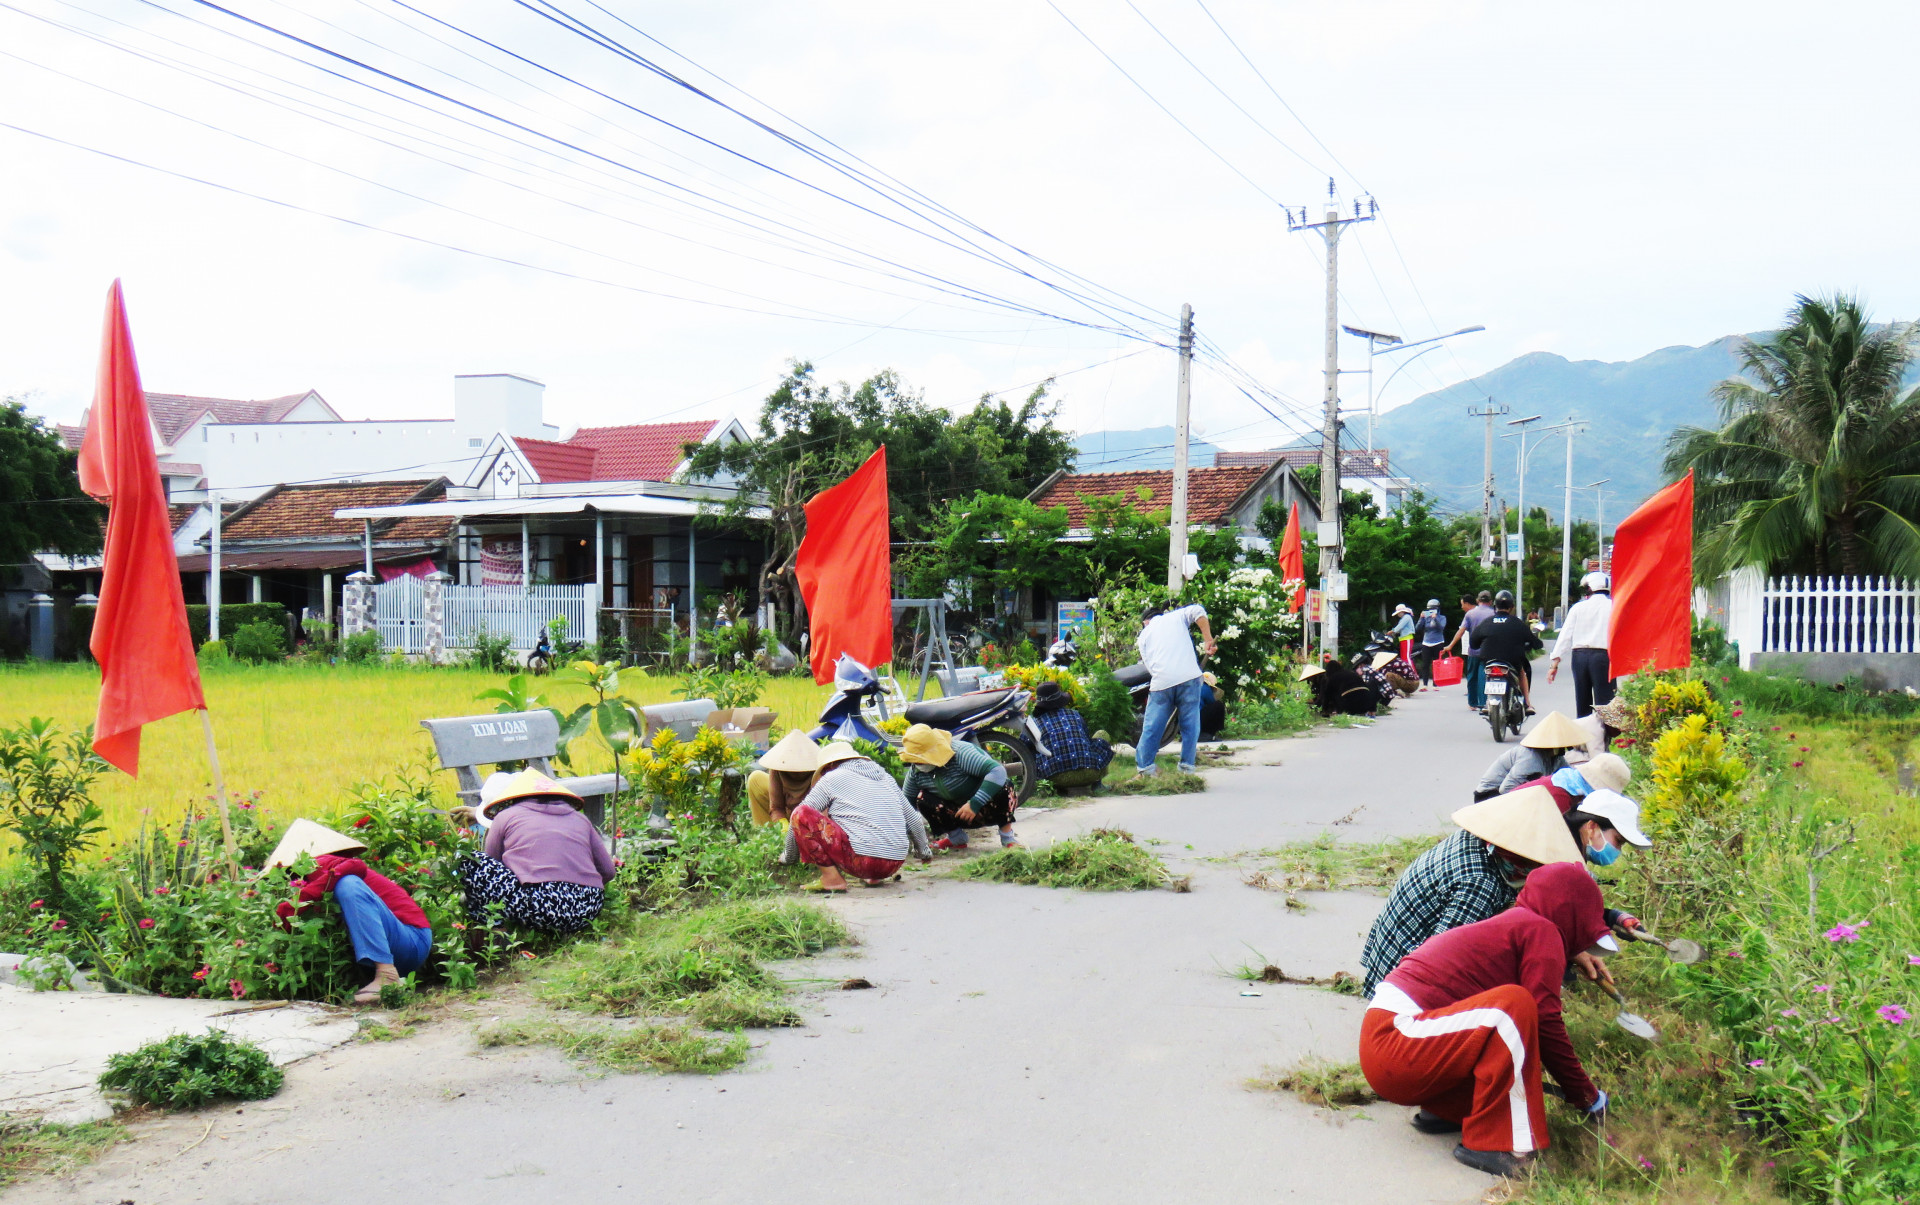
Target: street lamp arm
1465 330
1380 392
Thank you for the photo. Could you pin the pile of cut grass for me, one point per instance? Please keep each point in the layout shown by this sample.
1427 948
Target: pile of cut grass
673 1048
1103 860
29 1148
1329 864
704 965
1318 1082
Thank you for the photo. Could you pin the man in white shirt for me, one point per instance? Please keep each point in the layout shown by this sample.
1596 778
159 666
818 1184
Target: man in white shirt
1167 652
1584 635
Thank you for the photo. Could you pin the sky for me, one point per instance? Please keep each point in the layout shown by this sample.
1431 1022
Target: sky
976 196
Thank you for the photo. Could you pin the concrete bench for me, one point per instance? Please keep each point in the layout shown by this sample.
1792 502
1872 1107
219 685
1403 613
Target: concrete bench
468 742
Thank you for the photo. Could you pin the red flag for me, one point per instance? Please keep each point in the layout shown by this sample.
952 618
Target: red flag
1293 559
1653 584
846 570
140 639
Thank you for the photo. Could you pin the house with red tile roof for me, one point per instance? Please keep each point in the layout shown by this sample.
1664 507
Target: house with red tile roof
1216 497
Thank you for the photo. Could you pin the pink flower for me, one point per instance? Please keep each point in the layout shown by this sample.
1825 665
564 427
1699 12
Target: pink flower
1893 1014
1737 712
238 944
202 972
59 925
1798 764
160 891
273 968
1831 1020
146 922
1646 1163
1756 1062
1789 1012
1823 987
1806 748
237 988
1913 960
1841 933
37 904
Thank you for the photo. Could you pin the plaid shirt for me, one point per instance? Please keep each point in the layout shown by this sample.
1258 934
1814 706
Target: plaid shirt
1455 883
1069 745
1377 680
971 776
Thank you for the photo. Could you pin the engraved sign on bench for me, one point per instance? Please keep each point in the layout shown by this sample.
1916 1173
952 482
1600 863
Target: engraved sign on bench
468 742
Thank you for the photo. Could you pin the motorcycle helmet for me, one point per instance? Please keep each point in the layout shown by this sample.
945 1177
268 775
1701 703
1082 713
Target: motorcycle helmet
1503 601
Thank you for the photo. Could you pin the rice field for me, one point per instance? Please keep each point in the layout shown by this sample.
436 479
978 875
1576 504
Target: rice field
303 735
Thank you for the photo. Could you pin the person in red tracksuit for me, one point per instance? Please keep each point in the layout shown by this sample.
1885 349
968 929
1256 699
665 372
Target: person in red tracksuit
1463 1025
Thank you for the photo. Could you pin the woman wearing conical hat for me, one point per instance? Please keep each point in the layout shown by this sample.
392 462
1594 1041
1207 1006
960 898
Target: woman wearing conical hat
1540 752
391 935
544 866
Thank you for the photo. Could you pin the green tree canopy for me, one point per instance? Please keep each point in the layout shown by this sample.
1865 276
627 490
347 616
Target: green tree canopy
41 506
1816 467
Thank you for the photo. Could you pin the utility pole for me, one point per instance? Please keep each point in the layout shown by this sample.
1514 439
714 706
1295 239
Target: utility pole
1182 406
1487 556
1520 515
1332 580
213 569
1566 518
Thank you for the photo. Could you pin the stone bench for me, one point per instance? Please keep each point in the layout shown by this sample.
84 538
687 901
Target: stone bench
467 742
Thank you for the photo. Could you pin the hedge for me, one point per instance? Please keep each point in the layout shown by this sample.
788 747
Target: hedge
232 615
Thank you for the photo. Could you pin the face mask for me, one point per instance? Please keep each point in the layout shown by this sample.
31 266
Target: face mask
1606 855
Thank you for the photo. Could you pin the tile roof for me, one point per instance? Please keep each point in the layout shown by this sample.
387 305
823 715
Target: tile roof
557 461
642 452
173 413
179 512
306 511
1211 493
73 437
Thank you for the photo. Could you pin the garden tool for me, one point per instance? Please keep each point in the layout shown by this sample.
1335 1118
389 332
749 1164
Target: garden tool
1633 1023
1680 950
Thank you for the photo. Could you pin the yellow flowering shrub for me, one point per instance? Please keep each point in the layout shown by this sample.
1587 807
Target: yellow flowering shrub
1695 774
1029 677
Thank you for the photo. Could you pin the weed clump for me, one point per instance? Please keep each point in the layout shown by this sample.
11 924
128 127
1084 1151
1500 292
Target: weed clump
189 1070
1103 860
1327 864
1166 782
671 1048
1318 1082
29 1148
703 964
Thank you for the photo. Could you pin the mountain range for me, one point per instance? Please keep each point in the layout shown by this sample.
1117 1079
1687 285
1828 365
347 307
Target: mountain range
1629 407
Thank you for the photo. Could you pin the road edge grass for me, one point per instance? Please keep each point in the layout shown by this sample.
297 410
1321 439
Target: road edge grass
30 1149
1106 859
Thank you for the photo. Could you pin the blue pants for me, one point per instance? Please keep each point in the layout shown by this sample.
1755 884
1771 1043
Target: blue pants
378 935
1591 685
1476 676
1182 700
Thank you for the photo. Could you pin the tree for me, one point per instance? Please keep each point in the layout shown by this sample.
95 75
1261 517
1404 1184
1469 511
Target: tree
1406 555
41 506
810 435
981 545
1816 467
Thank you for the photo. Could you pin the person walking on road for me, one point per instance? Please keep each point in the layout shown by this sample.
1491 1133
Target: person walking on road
1508 639
1474 612
1430 635
1463 1027
1167 652
1403 629
1583 637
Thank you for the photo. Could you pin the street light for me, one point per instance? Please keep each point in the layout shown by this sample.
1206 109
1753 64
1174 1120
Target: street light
1572 427
1599 520
1520 562
1392 343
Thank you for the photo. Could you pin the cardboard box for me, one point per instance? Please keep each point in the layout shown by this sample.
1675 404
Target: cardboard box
752 724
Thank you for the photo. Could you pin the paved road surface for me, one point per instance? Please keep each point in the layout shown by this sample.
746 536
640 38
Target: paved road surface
1024 1045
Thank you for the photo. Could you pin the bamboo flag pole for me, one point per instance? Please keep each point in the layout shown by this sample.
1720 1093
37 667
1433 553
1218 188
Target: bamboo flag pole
220 792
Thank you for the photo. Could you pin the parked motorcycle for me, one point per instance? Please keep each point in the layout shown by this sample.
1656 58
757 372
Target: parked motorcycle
1062 653
1138 681
1506 700
994 720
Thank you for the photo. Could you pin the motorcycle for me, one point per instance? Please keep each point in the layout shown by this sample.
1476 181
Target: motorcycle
1506 700
994 720
1139 683
1061 653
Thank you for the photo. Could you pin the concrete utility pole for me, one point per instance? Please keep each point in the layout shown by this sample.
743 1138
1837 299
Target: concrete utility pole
1487 554
1182 407
213 570
1566 522
1332 580
1520 515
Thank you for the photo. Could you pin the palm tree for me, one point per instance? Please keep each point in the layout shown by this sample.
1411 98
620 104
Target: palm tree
1816 468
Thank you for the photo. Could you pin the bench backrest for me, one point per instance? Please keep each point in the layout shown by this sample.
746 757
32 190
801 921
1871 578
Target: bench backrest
684 718
466 741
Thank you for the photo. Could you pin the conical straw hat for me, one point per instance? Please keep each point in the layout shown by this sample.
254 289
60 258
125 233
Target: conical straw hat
504 787
1384 658
306 837
840 751
1555 731
1524 822
794 752
1311 671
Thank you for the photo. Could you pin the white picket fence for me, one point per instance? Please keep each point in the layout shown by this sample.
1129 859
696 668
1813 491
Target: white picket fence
400 613
1839 615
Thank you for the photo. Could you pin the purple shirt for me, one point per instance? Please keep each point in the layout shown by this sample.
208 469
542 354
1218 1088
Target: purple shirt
1472 620
548 841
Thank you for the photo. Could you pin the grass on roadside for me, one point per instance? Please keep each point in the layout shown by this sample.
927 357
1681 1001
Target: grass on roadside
704 964
671 1048
30 1148
1123 778
1102 860
1329 864
1318 1082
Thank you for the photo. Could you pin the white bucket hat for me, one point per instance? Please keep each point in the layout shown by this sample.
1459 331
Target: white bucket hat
1606 772
1621 813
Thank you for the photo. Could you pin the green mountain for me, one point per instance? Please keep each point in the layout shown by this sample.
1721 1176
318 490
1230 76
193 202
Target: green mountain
1629 407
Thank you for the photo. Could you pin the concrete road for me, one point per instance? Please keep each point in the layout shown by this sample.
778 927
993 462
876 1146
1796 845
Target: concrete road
1024 1044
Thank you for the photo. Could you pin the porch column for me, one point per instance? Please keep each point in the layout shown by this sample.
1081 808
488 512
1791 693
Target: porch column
693 601
526 559
433 599
356 604
326 598
366 546
253 589
213 571
599 571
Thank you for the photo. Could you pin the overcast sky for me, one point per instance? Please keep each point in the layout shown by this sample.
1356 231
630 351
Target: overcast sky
1595 181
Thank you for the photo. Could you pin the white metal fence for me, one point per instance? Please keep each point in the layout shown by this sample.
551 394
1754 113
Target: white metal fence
400 613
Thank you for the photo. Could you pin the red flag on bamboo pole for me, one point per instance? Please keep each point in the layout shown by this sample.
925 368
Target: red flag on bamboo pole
140 638
845 567
1293 559
1653 584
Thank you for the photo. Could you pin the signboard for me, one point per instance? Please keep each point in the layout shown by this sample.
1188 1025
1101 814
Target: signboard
1315 612
1075 617
1329 534
1513 546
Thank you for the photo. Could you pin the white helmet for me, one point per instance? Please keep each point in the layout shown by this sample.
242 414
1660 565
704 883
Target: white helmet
1597 582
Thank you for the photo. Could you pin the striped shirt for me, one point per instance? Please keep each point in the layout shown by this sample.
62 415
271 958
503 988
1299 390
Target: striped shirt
865 802
971 775
1455 883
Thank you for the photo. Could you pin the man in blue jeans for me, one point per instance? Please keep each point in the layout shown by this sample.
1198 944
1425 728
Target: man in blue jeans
1167 652
1477 611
